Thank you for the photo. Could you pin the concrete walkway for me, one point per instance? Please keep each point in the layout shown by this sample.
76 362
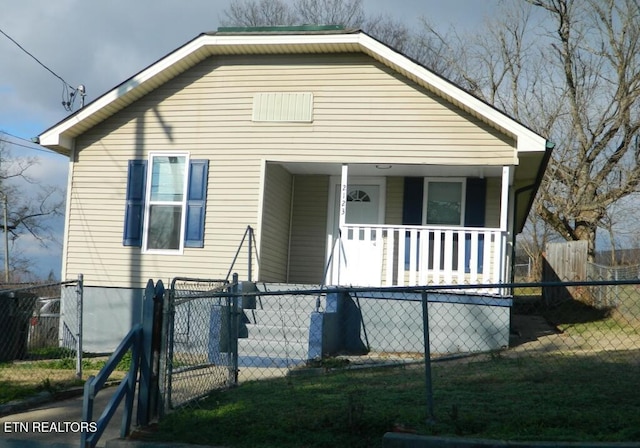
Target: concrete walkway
56 422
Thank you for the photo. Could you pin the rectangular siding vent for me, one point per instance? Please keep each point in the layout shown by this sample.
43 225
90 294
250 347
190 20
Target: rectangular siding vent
283 107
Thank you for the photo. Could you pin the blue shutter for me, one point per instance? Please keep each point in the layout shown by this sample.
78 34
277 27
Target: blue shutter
134 208
196 203
474 211
475 202
412 201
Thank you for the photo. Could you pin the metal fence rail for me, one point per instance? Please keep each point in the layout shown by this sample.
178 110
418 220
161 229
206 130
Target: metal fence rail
38 347
289 330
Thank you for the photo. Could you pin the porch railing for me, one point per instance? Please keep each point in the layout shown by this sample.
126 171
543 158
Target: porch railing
423 255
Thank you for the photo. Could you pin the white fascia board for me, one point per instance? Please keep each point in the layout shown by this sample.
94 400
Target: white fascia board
56 135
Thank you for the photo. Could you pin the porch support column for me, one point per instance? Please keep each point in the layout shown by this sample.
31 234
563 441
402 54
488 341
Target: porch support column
343 195
504 198
500 260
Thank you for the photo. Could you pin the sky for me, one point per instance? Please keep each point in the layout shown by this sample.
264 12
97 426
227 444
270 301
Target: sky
99 44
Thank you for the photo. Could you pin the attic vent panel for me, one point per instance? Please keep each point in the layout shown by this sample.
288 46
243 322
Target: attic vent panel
283 107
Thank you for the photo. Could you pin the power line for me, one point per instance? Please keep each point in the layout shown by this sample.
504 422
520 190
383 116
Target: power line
68 92
36 59
11 142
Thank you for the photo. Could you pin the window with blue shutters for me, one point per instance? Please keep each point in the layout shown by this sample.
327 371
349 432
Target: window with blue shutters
165 203
446 202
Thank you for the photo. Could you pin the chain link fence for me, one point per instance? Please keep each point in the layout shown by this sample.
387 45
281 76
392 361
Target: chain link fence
608 296
423 338
197 355
40 337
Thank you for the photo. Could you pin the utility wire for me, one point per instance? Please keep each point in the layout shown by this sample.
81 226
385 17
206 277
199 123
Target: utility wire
11 142
67 97
36 59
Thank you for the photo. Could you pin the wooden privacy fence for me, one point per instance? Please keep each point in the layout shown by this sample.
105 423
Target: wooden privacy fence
565 262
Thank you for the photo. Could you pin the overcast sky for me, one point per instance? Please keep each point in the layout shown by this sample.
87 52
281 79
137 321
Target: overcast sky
101 43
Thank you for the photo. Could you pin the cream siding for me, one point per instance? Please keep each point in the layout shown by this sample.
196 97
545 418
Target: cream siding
492 210
276 215
363 112
394 206
309 229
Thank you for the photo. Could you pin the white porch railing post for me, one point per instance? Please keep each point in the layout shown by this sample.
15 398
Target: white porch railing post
401 256
462 253
413 256
473 258
391 236
437 251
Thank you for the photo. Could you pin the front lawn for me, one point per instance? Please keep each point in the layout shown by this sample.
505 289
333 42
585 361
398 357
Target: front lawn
551 397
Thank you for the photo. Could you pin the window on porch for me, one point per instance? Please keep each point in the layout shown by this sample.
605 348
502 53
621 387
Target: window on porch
444 203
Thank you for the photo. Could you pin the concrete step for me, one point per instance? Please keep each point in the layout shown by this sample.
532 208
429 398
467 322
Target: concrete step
276 333
272 349
288 303
279 318
290 300
286 286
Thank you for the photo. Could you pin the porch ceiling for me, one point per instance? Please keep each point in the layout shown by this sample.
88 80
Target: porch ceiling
372 169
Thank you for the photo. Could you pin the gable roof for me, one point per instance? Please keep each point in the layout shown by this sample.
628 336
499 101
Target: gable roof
288 41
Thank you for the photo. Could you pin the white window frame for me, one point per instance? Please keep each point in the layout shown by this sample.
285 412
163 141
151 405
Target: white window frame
425 198
148 203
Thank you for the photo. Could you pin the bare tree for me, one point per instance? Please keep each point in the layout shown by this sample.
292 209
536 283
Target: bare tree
569 69
30 203
596 50
258 13
347 13
330 12
573 74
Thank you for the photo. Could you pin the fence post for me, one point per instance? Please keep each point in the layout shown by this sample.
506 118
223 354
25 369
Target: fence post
156 349
166 352
233 329
79 308
144 393
249 267
427 357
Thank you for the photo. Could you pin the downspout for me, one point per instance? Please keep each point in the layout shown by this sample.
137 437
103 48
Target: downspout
293 189
534 186
518 192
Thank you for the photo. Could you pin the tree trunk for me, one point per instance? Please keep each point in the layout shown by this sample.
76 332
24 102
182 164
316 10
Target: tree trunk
586 231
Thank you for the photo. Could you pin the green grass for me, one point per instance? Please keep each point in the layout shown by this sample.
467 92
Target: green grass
50 370
546 398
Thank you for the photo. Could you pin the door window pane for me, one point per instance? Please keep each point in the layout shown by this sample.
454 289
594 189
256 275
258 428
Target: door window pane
444 203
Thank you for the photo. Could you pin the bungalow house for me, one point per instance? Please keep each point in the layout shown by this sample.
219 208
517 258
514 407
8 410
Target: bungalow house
354 164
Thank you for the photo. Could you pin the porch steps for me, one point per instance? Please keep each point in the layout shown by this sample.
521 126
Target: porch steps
273 332
277 329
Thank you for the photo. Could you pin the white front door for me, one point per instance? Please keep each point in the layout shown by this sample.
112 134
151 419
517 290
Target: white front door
357 257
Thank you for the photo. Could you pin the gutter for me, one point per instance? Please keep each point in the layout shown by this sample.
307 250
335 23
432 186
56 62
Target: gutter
549 146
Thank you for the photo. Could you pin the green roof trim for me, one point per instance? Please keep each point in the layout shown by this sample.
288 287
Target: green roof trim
283 28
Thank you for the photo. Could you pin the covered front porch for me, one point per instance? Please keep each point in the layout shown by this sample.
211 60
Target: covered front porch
385 225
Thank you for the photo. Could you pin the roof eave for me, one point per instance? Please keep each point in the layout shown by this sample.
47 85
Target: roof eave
60 136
